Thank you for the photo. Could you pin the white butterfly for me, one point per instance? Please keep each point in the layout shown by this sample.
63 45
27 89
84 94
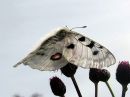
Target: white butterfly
63 46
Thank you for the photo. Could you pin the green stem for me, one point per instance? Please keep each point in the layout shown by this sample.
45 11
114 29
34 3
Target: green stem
96 89
110 89
76 86
124 89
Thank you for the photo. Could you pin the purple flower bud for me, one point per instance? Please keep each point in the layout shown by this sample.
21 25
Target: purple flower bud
123 73
69 70
104 75
96 75
57 86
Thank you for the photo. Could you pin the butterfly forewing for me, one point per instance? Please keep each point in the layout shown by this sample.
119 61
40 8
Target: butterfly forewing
87 53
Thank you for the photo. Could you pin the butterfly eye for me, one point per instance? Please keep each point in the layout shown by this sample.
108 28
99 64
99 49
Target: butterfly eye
56 56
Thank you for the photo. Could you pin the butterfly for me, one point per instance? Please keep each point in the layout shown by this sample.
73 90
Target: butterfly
65 46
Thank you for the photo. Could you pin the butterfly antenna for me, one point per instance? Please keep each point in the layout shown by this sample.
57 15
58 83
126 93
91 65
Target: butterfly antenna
78 27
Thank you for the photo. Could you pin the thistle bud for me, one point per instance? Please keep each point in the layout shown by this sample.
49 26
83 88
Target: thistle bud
69 70
57 86
104 75
96 75
123 73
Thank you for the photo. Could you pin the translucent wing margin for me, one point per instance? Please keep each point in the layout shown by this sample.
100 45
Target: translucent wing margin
87 53
40 58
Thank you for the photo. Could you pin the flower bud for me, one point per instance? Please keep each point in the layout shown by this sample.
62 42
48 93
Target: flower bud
69 70
123 73
57 86
96 75
104 75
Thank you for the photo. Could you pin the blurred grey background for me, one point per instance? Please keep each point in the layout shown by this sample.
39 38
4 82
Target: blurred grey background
24 22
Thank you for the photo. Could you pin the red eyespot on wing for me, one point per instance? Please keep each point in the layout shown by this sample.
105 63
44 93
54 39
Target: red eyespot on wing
56 56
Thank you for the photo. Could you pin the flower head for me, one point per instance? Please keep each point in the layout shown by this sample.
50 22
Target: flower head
69 70
123 73
96 75
57 86
105 75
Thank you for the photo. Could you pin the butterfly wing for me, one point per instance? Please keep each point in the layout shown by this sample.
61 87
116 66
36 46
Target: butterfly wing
85 52
47 56
65 46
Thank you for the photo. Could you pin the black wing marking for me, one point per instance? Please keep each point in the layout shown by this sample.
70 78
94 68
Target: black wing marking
88 53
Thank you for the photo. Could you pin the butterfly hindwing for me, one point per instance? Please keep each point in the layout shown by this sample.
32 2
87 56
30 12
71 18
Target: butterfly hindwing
87 53
47 56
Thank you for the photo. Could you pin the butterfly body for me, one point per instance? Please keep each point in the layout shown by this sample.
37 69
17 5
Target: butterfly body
65 46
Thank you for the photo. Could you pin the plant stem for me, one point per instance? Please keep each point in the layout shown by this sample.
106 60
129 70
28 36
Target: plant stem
124 89
76 86
96 89
110 89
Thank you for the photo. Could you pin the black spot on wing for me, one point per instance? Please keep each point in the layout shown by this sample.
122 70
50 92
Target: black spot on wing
91 45
101 47
71 46
95 52
82 38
